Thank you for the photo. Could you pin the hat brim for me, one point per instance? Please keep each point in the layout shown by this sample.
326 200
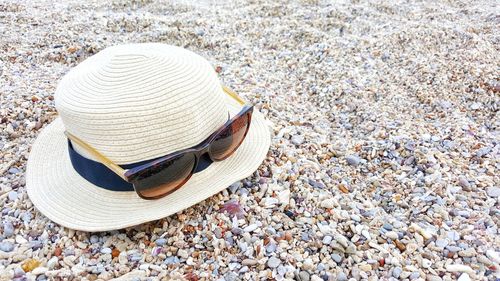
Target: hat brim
66 198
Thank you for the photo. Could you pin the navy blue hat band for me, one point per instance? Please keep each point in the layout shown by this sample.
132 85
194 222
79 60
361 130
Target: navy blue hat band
99 175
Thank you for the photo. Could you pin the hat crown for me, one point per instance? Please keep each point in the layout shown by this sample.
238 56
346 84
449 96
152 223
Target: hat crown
141 101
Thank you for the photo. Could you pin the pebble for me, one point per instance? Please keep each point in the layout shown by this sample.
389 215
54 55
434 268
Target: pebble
387 226
493 191
249 262
6 246
8 229
337 258
297 139
396 272
341 276
392 235
459 268
182 253
52 263
39 270
464 277
327 239
12 195
353 160
273 262
106 251
303 276
328 203
250 228
441 243
161 241
453 235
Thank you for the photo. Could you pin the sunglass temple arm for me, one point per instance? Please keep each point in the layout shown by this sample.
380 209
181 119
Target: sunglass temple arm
233 94
100 157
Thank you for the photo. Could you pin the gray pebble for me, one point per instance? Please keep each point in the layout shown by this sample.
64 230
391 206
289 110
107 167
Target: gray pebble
441 243
94 239
493 191
106 250
297 139
396 272
341 276
453 235
353 160
453 249
327 240
414 275
6 246
337 258
387 226
273 262
161 241
12 195
303 276
8 229
13 170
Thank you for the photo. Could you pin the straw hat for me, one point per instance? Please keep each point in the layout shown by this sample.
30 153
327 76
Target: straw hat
133 103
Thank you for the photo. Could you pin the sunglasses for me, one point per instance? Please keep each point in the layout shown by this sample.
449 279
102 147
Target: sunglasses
167 174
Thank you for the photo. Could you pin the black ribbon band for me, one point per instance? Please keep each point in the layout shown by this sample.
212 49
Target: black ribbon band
99 175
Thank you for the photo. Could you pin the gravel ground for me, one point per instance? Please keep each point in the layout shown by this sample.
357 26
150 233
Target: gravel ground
385 156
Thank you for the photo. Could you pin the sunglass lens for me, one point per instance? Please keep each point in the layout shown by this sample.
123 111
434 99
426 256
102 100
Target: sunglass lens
230 138
165 177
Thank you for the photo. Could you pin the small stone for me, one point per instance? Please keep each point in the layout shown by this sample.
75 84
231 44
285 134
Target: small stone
122 258
297 139
13 171
106 250
30 264
307 264
391 235
426 263
94 239
353 160
182 253
303 276
6 246
387 226
476 106
414 275
327 239
39 270
464 277
341 276
161 241
453 235
464 183
431 277
459 268
493 191
8 229
441 243
342 240
250 228
328 203
52 262
284 197
396 272
12 195
273 262
365 267
249 262
337 258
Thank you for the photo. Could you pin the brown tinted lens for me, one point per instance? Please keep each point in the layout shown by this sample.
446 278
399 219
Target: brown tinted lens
164 177
228 140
